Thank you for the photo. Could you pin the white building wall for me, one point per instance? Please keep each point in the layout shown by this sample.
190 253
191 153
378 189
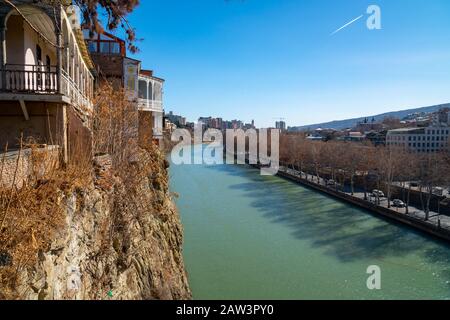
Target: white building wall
14 41
31 39
433 139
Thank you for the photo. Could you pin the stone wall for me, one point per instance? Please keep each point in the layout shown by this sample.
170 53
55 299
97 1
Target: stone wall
18 166
45 124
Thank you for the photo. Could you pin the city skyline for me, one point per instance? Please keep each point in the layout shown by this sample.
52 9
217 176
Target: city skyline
288 64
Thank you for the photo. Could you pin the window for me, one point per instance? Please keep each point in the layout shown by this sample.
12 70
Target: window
114 48
38 54
109 47
92 45
104 47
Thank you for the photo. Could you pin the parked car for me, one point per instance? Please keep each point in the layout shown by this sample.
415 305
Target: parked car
438 191
414 184
398 203
378 193
331 183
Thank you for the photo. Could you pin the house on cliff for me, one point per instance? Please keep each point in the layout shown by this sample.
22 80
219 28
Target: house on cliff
109 55
46 75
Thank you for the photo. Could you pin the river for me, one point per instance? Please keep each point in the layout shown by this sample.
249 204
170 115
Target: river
248 236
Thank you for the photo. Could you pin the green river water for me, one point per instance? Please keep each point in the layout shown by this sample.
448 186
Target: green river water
248 236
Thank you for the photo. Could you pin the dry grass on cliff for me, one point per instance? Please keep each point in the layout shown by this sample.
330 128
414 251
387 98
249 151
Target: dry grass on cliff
32 213
138 170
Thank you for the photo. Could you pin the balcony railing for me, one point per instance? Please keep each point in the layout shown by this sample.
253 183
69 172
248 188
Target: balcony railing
36 79
150 105
157 132
17 78
71 90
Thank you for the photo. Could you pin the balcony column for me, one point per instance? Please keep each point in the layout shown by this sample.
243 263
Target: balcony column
59 49
59 61
3 49
146 94
153 90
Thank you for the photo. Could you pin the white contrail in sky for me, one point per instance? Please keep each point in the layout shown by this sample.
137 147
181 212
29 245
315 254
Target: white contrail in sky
347 24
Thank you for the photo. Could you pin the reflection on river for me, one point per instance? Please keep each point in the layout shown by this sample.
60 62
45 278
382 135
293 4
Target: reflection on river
249 236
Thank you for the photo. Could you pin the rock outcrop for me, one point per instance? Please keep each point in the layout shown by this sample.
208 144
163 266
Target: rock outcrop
118 242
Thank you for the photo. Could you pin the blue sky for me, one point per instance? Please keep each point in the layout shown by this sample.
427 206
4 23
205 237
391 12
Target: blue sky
262 59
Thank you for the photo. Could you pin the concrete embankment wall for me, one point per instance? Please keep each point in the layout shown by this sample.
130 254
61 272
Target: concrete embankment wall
384 212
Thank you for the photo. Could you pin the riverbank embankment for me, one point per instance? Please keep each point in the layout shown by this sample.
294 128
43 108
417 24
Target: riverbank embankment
438 226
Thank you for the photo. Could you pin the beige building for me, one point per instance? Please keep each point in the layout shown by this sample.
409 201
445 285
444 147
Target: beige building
46 84
151 102
434 138
110 58
422 140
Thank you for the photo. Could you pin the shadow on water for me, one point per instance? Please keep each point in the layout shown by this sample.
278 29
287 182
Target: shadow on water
342 230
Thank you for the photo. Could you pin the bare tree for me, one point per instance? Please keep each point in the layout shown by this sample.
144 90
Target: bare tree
433 172
390 161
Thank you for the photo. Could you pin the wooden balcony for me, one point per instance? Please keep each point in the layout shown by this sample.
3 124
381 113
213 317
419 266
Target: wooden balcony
42 83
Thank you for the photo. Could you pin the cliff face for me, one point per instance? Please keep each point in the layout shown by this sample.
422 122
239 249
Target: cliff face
120 240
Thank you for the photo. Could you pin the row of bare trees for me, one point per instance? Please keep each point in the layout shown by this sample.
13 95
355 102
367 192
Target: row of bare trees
378 167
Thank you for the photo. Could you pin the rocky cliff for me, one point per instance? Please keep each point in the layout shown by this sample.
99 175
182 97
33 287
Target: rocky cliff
120 238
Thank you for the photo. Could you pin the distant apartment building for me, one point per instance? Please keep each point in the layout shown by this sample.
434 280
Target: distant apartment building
221 124
433 138
46 78
206 121
430 139
142 87
237 124
216 123
280 125
176 119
